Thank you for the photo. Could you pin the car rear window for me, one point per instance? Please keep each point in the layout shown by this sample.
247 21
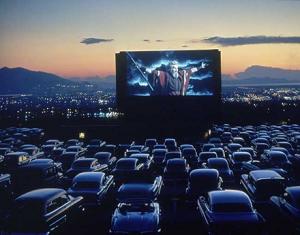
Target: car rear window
231 207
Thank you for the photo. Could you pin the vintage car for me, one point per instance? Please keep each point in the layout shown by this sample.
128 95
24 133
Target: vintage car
91 150
129 152
190 154
219 151
150 143
286 145
223 168
34 152
143 158
288 207
121 149
231 148
275 159
184 146
96 142
284 150
132 192
111 148
40 173
138 147
23 146
14 160
83 165
78 149
47 149
239 140
92 186
201 181
158 156
137 211
126 170
237 160
73 142
160 146
246 136
56 153
260 149
48 161
67 159
277 139
206 147
226 137
171 144
42 211
55 142
106 158
229 212
175 178
215 141
260 185
249 150
171 155
204 156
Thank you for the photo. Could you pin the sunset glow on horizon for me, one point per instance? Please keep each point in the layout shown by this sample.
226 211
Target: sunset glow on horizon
49 35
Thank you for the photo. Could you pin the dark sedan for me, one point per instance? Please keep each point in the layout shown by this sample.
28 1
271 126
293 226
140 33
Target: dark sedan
229 211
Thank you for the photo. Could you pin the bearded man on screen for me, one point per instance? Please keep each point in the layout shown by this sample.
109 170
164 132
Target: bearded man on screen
174 81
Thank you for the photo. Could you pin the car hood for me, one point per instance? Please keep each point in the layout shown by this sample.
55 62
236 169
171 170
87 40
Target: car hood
135 222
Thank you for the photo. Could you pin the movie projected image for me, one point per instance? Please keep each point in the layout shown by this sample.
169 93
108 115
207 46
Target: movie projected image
171 73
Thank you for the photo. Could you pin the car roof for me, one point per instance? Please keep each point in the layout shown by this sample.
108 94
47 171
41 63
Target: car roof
42 161
264 174
89 177
86 160
36 166
136 191
103 154
126 163
16 154
41 195
204 174
229 196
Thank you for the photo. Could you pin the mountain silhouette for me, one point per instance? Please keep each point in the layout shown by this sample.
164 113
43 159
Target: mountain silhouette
257 75
21 80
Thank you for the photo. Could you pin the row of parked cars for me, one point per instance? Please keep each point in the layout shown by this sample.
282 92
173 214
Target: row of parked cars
239 179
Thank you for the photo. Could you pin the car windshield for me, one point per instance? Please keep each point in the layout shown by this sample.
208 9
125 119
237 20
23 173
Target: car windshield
85 185
231 207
